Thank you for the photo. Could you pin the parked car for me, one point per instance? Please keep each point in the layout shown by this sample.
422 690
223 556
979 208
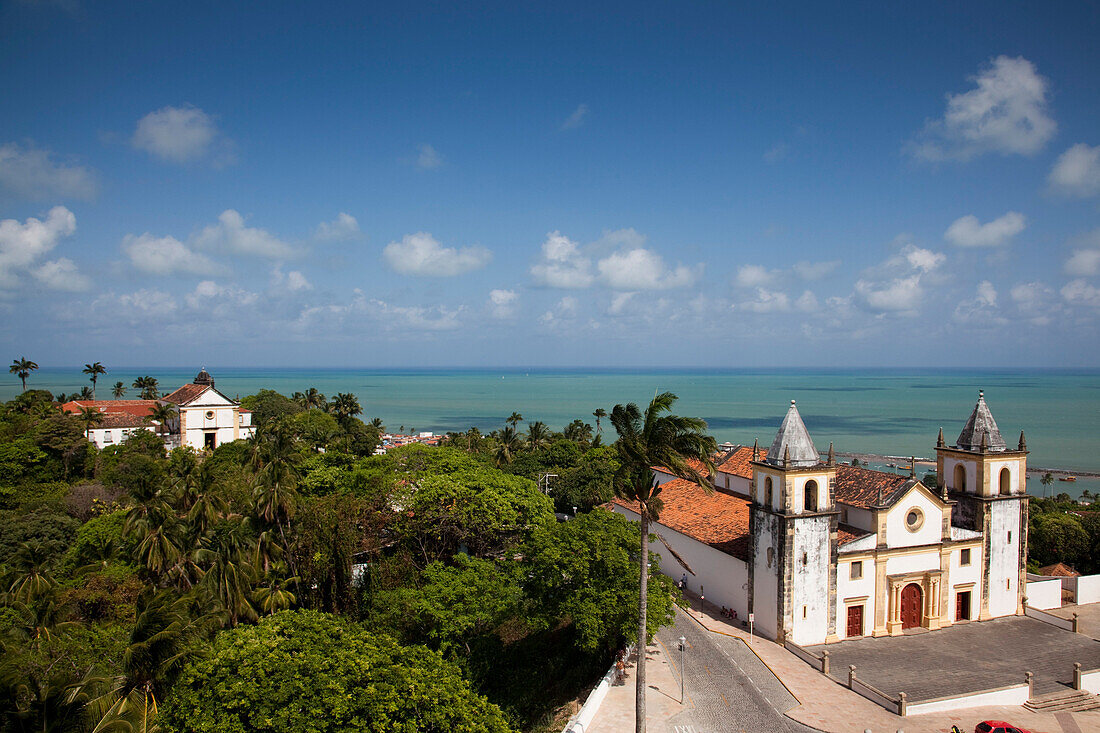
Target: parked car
997 726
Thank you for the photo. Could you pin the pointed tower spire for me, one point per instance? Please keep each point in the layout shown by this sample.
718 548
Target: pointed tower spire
912 466
981 427
939 440
792 443
832 455
984 446
1023 441
755 449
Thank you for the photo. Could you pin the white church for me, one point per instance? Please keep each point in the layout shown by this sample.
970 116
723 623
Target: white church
819 552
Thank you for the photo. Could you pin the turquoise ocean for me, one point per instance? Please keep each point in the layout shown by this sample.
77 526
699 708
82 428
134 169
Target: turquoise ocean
893 412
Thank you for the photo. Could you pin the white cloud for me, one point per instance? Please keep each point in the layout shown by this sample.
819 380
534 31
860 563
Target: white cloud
982 308
22 244
1007 114
140 306
1079 292
767 301
619 302
428 158
895 286
562 265
166 255
211 297
181 135
814 270
421 254
231 235
343 227
754 276
1077 171
502 303
296 281
414 317
1085 260
967 231
32 173
642 269
576 119
62 274
567 308
807 302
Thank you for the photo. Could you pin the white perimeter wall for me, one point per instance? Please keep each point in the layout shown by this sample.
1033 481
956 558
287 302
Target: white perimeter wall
1016 695
1044 593
724 578
810 582
1004 557
1088 589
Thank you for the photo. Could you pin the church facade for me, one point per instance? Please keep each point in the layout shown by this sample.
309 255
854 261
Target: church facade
818 551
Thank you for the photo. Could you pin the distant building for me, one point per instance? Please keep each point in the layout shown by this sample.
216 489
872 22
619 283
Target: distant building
206 418
818 552
121 418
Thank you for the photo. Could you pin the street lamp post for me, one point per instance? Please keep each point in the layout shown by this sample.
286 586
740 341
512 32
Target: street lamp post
682 641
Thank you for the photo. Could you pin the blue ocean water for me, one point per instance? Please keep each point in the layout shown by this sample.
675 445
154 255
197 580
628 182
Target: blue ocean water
882 411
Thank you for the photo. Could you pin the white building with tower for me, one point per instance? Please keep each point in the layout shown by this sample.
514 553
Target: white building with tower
819 551
207 418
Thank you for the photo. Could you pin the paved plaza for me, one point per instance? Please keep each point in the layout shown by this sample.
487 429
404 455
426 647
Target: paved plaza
965 658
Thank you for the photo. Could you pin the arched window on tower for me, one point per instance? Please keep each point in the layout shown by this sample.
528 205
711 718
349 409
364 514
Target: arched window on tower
810 496
768 491
1006 481
960 477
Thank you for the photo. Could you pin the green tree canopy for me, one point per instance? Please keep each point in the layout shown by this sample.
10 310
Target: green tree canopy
314 673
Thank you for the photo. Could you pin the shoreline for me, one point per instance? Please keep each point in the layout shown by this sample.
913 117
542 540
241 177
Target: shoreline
930 463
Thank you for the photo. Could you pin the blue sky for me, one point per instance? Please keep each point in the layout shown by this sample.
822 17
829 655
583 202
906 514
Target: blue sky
588 184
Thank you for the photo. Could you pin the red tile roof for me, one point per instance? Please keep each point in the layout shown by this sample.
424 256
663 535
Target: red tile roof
715 519
137 408
846 533
187 394
122 420
860 487
1059 570
739 462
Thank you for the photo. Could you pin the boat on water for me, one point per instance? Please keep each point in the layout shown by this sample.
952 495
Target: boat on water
1067 478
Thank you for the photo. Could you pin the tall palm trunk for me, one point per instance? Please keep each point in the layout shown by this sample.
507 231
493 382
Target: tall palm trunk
639 692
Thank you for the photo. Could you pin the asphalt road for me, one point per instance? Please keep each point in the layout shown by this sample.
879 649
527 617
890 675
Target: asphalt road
732 691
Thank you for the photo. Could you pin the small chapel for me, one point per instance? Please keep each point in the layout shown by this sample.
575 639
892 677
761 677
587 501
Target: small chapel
815 551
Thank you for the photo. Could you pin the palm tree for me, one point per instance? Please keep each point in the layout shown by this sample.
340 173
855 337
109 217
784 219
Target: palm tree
30 567
158 648
23 368
345 406
91 417
655 439
474 440
578 431
377 423
150 388
164 413
313 399
514 419
599 413
509 442
275 594
1046 481
93 371
230 575
538 435
84 394
119 390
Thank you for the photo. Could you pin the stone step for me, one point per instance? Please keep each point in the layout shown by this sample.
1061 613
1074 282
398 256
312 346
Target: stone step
1070 700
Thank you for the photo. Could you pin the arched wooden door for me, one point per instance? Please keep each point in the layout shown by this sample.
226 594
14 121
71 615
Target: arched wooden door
911 602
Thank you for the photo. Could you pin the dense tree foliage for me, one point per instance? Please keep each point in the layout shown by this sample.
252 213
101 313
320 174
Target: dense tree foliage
1063 530
130 577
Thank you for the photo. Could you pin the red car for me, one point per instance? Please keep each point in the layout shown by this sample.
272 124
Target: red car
997 726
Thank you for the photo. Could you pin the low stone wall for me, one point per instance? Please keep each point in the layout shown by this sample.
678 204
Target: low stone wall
583 719
1050 618
1086 589
1044 593
1011 695
808 657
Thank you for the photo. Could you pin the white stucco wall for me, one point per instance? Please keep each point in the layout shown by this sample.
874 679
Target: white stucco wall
915 563
797 487
931 529
1087 589
1013 466
1004 557
862 544
949 464
724 578
810 581
1044 593
848 589
117 435
857 517
765 576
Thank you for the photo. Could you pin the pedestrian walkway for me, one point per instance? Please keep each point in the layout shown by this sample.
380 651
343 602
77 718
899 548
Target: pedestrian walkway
823 704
